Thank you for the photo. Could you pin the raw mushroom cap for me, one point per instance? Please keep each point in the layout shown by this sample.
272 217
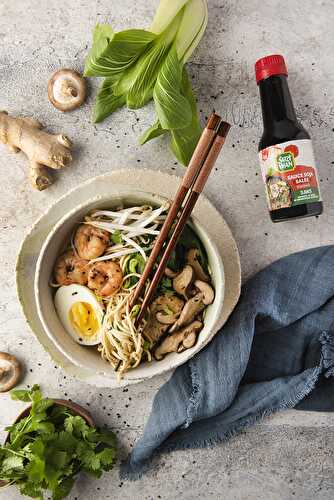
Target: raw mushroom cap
10 371
66 89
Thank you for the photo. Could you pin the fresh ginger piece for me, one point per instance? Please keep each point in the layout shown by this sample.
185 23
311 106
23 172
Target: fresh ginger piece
41 148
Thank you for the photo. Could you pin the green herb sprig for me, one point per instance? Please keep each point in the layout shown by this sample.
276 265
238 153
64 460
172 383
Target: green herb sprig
51 446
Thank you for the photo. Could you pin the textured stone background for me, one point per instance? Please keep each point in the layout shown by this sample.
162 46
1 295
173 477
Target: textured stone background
286 457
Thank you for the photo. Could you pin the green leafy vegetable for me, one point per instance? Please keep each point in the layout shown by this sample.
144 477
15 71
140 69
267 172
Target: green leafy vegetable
151 133
165 286
184 141
112 53
168 97
139 65
116 237
106 102
48 448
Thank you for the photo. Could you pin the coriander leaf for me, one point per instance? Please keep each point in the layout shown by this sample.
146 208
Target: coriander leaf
12 462
20 395
89 458
35 469
172 107
184 141
63 488
48 449
106 102
44 428
111 56
51 476
30 489
75 424
107 458
58 458
165 285
151 133
107 437
37 448
65 441
40 405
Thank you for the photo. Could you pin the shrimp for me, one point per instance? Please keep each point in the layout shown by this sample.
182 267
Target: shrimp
105 278
71 269
90 242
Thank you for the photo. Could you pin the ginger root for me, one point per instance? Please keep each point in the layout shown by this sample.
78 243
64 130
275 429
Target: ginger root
42 149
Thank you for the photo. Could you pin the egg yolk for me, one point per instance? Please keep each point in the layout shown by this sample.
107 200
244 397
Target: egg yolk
83 319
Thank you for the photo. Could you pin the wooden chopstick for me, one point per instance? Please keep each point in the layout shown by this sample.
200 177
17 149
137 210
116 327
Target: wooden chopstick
196 162
196 190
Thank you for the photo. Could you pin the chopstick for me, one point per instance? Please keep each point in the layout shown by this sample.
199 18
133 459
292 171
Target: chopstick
196 162
196 190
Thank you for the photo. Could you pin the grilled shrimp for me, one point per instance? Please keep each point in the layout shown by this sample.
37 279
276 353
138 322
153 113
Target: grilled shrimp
105 278
71 269
90 242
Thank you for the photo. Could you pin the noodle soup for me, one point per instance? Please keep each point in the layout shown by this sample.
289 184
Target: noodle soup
98 270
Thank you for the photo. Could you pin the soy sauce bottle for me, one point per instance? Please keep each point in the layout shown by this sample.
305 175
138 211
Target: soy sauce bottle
285 149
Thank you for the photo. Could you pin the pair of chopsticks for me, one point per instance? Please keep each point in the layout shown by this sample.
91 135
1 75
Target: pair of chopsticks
193 182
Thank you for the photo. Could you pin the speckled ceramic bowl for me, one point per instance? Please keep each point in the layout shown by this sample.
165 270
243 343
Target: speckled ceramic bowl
89 358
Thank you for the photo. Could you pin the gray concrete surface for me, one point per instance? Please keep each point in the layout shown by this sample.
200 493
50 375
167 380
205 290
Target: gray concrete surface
289 456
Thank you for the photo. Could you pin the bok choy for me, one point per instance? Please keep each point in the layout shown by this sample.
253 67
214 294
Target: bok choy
139 65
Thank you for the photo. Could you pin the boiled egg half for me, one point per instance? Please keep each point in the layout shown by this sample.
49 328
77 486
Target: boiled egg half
80 313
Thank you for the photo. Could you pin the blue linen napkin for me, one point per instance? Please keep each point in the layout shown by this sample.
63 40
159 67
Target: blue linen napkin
275 352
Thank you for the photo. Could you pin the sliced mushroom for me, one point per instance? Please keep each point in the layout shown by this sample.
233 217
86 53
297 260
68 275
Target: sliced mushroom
207 291
10 372
170 273
191 309
154 330
168 308
193 258
179 341
165 310
66 89
182 281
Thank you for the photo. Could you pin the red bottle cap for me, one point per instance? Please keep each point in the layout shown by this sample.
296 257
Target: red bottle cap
269 66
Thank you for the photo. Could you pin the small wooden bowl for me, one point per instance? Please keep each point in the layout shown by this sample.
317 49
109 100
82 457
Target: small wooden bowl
77 409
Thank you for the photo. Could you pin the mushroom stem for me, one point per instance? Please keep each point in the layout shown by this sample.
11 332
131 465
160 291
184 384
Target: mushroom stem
3 371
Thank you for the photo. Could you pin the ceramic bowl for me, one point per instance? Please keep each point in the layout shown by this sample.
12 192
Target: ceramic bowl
89 358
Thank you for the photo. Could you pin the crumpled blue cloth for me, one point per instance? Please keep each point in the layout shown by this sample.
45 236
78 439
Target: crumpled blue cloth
275 352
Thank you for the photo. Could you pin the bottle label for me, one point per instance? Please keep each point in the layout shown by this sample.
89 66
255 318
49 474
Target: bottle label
290 175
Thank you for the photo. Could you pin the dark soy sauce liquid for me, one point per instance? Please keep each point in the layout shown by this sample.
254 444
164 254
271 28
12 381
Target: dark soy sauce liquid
281 125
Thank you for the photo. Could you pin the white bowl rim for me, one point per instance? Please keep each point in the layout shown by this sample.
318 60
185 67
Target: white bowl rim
124 191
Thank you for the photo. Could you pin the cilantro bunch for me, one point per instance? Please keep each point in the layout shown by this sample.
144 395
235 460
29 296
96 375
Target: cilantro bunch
49 448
